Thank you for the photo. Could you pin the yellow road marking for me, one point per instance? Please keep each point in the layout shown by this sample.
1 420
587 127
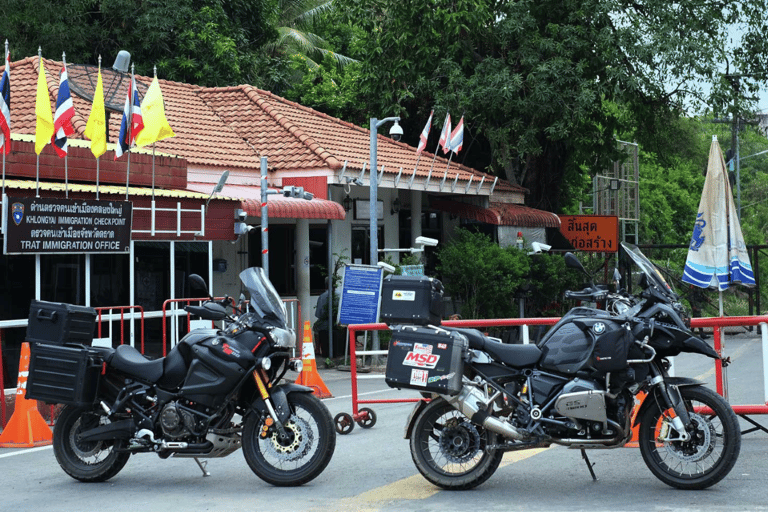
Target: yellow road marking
414 487
736 353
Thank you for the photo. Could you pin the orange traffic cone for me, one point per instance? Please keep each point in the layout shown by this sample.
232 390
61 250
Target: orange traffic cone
309 375
26 428
635 441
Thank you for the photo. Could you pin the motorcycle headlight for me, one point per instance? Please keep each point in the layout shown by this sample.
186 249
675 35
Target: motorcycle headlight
285 338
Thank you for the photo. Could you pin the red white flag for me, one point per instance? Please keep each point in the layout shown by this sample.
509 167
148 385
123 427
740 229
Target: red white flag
424 135
62 120
456 141
132 121
445 134
5 106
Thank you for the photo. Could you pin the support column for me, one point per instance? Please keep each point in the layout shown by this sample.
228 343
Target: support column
302 270
415 215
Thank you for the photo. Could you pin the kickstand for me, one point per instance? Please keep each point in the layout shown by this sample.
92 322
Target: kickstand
204 463
589 464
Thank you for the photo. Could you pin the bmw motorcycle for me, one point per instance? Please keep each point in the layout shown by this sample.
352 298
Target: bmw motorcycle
217 391
577 388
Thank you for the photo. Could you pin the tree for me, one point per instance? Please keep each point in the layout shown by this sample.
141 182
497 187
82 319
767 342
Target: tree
207 42
533 77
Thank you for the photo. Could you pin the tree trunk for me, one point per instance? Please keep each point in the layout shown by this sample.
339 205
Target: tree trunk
544 177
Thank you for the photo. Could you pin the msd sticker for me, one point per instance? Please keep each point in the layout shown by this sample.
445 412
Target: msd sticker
419 377
404 295
421 360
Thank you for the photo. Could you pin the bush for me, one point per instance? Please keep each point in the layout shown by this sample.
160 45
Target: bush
482 275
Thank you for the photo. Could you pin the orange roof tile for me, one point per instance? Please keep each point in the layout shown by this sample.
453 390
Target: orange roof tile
232 127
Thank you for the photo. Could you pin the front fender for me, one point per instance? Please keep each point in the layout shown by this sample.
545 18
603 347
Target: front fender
279 396
651 398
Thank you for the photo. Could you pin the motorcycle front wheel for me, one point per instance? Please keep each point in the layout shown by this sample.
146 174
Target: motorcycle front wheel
87 461
703 460
302 454
449 450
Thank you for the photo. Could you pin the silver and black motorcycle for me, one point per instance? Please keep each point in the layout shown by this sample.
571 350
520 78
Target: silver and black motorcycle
575 388
218 390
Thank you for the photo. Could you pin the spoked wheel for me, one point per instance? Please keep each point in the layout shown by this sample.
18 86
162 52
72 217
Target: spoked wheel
87 461
298 456
449 450
344 423
703 460
370 419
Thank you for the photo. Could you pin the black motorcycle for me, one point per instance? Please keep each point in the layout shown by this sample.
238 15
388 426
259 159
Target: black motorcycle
217 390
575 388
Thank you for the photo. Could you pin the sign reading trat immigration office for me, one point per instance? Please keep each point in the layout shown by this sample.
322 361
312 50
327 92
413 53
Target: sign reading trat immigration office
47 225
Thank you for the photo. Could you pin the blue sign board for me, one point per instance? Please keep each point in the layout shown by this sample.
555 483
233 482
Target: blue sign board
360 295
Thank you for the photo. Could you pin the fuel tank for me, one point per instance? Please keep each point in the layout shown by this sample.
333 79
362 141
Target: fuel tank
568 346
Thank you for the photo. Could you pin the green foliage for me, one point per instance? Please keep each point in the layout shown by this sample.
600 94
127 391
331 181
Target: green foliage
533 77
548 279
206 42
328 88
482 275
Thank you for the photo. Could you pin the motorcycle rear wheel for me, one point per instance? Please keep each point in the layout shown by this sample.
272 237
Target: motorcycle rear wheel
87 461
704 460
303 455
449 450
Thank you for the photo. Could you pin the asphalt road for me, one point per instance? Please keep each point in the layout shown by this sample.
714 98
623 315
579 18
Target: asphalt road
372 469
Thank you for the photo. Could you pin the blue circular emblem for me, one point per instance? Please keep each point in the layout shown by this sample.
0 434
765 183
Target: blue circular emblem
599 328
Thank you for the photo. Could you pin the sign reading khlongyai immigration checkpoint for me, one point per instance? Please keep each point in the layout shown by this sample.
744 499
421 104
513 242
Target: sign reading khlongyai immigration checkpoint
46 225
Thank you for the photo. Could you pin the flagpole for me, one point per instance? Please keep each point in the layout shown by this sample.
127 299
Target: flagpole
6 62
153 150
66 155
106 129
37 161
130 126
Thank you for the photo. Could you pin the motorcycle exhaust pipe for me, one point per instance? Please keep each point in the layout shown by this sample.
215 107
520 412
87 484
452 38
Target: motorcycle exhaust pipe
469 403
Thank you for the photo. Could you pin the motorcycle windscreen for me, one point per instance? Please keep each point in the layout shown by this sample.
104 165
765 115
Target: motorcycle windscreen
264 298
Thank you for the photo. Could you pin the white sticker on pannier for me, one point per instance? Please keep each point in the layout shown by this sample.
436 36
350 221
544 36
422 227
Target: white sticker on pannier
408 295
419 377
422 348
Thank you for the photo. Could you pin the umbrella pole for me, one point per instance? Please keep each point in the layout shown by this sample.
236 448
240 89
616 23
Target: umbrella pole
723 369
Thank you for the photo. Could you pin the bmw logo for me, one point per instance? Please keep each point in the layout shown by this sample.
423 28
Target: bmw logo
599 328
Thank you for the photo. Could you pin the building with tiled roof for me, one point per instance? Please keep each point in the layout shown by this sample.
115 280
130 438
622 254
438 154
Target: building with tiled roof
231 129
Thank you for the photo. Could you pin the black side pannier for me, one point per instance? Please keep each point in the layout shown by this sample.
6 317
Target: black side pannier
63 374
612 349
411 300
426 358
58 323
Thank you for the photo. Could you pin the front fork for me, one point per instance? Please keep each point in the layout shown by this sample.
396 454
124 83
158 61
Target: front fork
671 399
273 420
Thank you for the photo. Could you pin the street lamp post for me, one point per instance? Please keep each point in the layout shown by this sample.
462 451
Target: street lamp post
374 187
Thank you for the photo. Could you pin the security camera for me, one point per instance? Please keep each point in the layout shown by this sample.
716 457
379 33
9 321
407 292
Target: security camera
240 215
386 266
423 240
537 247
242 228
396 132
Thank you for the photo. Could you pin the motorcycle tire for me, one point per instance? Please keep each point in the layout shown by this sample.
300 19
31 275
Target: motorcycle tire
449 450
705 459
87 461
303 455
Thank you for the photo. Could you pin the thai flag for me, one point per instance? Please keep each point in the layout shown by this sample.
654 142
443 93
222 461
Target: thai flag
445 134
5 106
62 120
456 141
424 135
131 110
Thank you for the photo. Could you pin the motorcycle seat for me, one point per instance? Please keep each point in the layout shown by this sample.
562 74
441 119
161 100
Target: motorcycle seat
516 356
131 362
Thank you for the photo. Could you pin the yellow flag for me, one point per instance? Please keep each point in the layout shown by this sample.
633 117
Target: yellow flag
44 128
96 127
156 126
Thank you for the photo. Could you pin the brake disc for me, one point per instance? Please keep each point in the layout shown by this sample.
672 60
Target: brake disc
459 442
297 445
701 444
